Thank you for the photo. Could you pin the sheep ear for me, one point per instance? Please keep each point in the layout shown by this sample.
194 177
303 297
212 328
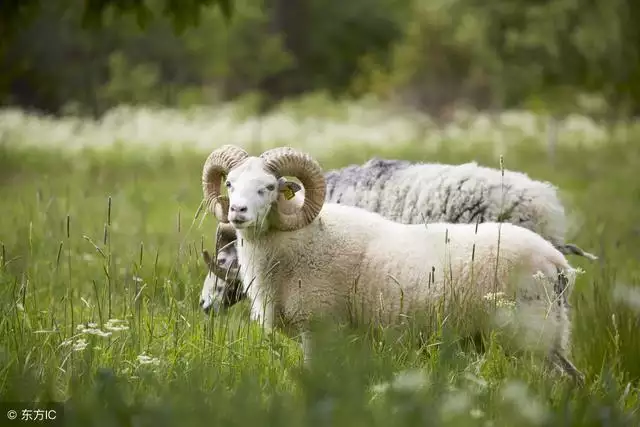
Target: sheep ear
288 188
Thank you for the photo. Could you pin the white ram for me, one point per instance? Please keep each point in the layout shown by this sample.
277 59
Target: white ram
318 259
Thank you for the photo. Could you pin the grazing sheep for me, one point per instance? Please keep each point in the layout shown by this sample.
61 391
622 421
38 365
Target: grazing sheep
222 286
319 259
413 193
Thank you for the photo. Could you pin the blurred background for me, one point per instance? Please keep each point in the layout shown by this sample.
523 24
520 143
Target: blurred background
560 56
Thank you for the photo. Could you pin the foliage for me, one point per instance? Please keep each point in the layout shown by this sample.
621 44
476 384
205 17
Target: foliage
547 53
182 14
113 234
55 61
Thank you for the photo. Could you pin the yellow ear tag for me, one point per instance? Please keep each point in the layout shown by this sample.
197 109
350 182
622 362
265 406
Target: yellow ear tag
288 193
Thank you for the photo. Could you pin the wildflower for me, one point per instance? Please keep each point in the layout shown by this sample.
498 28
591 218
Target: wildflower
92 329
77 345
499 298
80 345
83 326
116 325
143 359
97 332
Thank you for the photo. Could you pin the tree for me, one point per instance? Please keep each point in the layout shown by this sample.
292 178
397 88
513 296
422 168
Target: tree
183 13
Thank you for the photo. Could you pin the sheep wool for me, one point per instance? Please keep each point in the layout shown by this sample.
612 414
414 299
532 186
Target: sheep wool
414 193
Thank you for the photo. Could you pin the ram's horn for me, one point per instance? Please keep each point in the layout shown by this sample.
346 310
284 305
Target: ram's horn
288 161
216 167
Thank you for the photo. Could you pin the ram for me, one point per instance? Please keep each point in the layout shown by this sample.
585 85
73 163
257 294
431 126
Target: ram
315 259
414 193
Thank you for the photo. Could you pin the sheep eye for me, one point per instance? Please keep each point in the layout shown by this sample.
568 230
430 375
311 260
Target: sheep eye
227 184
271 187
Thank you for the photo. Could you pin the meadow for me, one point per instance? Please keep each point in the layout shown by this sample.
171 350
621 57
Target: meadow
101 271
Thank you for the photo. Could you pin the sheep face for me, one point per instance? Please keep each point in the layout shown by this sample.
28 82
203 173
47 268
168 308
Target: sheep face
256 184
253 192
217 293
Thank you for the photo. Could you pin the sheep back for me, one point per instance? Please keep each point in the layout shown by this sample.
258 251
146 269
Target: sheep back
414 193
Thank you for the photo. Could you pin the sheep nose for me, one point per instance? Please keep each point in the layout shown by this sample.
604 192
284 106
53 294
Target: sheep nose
238 208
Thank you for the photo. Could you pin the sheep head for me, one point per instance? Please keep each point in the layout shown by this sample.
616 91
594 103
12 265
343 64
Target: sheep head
259 195
222 285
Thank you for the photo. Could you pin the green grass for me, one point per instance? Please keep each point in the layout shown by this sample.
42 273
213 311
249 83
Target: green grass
112 236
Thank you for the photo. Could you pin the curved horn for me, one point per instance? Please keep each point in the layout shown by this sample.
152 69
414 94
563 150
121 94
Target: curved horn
217 166
288 161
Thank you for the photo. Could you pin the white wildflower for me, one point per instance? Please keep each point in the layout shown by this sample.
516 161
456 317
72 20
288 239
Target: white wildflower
116 325
91 328
144 359
97 332
83 326
500 300
361 122
137 279
76 344
80 345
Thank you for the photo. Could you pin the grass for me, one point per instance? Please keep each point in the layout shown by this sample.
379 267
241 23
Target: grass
103 235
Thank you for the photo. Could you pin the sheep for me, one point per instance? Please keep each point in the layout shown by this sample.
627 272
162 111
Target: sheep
413 193
222 286
298 262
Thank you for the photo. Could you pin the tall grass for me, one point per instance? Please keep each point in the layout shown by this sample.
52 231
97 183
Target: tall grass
100 275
